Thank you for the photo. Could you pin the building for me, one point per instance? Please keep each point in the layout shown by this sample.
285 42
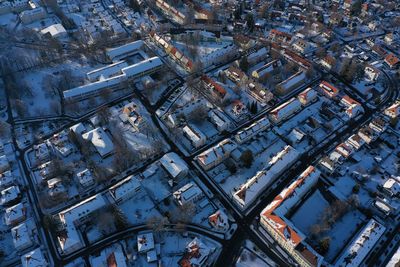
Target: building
195 136
140 69
22 238
291 83
6 179
362 245
328 62
196 254
100 140
355 141
121 52
125 189
189 193
219 119
392 61
273 219
174 165
219 220
279 36
267 69
112 256
236 75
69 240
10 195
249 191
328 89
15 214
29 16
214 88
302 46
371 73
145 242
307 96
392 187
216 155
394 110
4 164
34 258
85 178
257 56
107 71
55 31
353 108
285 110
252 130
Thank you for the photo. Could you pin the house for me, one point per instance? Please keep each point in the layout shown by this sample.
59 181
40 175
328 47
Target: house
214 88
238 108
196 254
361 245
56 31
174 165
56 188
257 56
392 61
21 235
328 62
34 258
107 71
145 242
216 155
85 178
367 134
125 189
42 152
100 141
15 214
236 75
302 46
252 130
195 136
279 36
112 256
307 96
69 240
355 141
353 108
344 149
219 119
285 110
189 193
371 73
328 165
273 219
131 115
247 193
219 220
389 38
267 69
4 164
78 128
296 135
394 110
392 187
257 91
328 89
291 83
29 16
60 142
10 195
378 125
121 52
243 41
6 179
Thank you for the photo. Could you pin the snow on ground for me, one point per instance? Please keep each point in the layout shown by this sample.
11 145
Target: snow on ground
308 214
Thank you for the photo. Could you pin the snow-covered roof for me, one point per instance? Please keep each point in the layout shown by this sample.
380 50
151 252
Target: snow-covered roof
145 242
174 164
361 245
248 191
392 185
100 141
85 177
6 179
34 258
124 50
125 188
15 213
54 30
107 71
9 194
285 110
111 256
21 236
188 193
142 66
78 128
196 253
252 130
